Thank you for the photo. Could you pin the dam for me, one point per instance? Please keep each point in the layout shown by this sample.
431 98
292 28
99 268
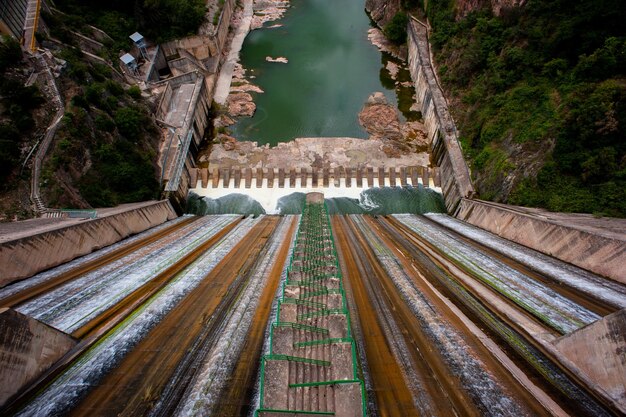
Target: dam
315 305
312 314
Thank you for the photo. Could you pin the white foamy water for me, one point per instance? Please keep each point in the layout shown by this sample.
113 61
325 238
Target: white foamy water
76 302
535 297
608 291
460 359
204 392
67 390
268 197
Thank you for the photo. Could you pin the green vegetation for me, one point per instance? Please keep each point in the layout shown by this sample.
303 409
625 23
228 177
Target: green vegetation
157 20
395 30
17 104
540 89
106 141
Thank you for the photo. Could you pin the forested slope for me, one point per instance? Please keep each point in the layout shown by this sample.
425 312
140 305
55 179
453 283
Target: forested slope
538 93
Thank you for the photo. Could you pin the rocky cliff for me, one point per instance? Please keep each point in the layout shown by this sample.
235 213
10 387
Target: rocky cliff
382 11
463 7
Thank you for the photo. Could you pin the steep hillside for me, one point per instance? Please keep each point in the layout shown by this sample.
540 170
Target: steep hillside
24 116
538 92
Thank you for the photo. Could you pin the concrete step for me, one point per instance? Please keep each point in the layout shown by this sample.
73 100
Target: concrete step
280 373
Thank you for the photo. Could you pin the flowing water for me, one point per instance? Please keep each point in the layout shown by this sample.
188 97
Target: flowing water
332 70
385 200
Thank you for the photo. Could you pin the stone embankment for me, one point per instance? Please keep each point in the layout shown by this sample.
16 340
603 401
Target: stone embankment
25 254
442 133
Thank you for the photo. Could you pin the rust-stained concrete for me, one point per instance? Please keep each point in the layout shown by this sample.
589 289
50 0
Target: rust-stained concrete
595 244
599 350
311 153
30 253
27 348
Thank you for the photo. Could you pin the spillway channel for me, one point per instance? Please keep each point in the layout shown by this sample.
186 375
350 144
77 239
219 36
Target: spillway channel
446 319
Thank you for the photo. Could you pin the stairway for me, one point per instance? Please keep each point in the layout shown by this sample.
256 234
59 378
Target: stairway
311 368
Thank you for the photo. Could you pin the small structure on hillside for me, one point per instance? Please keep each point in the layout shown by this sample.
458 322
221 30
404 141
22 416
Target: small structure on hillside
130 62
140 43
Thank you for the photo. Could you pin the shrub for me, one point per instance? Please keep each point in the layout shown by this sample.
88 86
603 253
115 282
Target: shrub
395 30
10 52
135 92
128 121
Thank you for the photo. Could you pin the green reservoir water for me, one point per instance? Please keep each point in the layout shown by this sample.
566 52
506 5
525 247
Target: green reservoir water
332 70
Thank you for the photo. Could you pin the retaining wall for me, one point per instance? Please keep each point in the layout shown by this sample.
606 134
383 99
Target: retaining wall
27 348
597 245
26 256
599 350
445 149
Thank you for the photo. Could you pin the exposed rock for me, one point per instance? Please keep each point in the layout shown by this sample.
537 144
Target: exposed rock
414 136
241 104
382 11
463 7
316 152
229 143
223 121
280 59
379 118
378 39
393 69
245 87
267 11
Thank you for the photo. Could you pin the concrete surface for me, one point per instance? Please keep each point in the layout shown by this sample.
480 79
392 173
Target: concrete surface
597 245
27 348
43 245
599 350
311 153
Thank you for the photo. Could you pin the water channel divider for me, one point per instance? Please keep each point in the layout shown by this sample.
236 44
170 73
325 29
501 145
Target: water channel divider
311 327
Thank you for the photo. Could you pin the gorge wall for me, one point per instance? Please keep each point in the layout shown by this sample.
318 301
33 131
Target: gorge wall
382 11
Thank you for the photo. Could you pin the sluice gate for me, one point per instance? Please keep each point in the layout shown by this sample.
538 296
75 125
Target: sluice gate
362 177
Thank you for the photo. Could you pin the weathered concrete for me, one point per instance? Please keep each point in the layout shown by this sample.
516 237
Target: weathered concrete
27 255
445 148
27 348
595 244
599 350
308 153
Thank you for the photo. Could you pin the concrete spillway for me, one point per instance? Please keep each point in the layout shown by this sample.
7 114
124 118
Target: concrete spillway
341 315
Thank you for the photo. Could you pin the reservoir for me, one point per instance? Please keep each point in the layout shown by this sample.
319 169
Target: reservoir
332 70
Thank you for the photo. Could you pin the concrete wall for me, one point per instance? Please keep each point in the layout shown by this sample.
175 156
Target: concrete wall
589 243
599 350
445 149
27 348
13 16
200 46
26 256
224 23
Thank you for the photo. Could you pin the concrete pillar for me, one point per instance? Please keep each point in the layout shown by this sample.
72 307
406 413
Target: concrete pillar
281 178
392 177
215 177
259 177
237 175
